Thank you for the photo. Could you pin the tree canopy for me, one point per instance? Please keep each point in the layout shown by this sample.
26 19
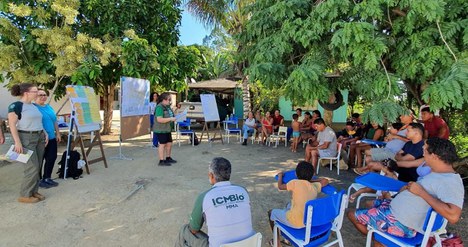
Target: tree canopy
369 47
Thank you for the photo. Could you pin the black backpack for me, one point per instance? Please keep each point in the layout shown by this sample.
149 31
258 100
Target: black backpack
72 171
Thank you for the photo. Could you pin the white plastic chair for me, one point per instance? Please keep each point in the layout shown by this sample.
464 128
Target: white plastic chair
252 241
282 133
434 225
337 158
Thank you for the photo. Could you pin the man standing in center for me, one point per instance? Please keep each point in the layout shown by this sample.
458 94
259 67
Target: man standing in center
225 208
325 146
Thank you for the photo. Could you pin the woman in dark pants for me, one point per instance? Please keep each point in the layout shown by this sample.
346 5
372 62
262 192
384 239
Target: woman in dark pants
26 128
49 121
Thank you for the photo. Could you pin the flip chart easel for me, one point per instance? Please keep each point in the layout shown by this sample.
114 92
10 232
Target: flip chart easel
134 110
85 120
210 113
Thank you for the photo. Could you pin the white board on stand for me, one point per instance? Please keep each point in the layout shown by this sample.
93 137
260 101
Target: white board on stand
134 96
210 109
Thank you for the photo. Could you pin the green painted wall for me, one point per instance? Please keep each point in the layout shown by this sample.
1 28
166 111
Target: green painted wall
238 103
339 115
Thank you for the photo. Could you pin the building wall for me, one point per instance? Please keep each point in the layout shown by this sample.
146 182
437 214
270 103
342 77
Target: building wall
339 115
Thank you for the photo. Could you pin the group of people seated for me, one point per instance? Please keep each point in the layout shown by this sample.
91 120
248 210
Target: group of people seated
225 208
263 125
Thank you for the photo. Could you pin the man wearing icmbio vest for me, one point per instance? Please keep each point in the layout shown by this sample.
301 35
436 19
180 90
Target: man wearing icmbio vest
224 207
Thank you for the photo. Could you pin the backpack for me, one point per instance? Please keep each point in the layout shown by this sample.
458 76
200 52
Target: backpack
195 140
73 171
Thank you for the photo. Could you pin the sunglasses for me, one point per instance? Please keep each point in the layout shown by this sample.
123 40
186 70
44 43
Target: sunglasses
42 95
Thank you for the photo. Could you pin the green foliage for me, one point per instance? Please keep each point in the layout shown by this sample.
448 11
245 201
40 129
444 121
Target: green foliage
461 143
382 44
263 98
383 112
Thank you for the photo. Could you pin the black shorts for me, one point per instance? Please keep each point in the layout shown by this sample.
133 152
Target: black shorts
164 138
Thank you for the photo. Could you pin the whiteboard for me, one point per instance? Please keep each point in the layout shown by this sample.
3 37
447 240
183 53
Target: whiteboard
134 94
209 107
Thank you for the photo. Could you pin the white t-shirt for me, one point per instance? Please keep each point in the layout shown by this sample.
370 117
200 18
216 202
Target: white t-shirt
152 107
226 210
411 210
249 123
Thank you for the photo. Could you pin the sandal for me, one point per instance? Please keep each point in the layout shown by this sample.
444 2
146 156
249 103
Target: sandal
271 243
358 172
352 198
285 242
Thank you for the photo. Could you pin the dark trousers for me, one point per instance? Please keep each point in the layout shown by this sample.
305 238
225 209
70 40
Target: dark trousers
50 156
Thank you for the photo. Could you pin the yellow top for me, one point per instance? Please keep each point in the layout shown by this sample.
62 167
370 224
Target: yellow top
302 191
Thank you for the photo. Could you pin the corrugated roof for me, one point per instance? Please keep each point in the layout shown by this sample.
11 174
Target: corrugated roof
221 85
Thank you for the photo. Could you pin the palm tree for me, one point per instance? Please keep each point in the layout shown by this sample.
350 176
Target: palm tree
228 15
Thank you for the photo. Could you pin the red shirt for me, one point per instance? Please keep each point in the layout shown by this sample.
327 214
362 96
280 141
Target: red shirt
277 120
433 127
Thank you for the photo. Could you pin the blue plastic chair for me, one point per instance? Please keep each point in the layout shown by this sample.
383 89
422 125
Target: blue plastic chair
186 131
229 130
322 216
434 225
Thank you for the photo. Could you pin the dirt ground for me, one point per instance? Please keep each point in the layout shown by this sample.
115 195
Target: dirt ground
96 210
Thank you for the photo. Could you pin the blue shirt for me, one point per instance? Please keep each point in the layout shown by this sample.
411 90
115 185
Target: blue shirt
48 119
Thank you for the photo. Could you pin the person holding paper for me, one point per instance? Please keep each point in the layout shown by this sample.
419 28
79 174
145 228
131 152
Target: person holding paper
49 121
162 128
26 128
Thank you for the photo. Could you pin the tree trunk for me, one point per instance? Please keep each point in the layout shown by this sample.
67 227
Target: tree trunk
108 108
328 115
246 96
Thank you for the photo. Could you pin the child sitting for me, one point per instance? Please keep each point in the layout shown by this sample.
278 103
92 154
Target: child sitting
303 189
295 125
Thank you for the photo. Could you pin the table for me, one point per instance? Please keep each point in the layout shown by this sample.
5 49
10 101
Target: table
378 182
372 142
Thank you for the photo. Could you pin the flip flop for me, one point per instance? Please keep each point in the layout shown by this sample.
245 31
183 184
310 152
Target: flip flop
358 172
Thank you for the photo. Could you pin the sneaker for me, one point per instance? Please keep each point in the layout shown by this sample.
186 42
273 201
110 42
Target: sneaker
170 160
51 182
164 163
44 184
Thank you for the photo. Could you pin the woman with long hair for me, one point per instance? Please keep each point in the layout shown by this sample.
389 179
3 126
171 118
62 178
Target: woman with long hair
49 121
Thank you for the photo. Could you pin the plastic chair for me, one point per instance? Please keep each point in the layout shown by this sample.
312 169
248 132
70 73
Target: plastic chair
337 158
322 216
252 241
232 120
434 225
282 133
181 132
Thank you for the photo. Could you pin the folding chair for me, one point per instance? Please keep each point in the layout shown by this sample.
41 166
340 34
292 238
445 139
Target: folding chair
187 131
434 225
252 241
232 121
322 216
282 133
337 158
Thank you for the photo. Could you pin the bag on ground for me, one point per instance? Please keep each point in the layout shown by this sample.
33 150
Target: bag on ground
73 171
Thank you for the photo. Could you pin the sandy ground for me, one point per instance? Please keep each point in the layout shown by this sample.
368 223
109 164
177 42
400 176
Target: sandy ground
95 211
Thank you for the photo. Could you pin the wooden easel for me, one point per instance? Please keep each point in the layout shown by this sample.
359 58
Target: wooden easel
205 129
96 140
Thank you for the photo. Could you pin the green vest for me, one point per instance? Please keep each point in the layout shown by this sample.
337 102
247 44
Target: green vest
163 127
